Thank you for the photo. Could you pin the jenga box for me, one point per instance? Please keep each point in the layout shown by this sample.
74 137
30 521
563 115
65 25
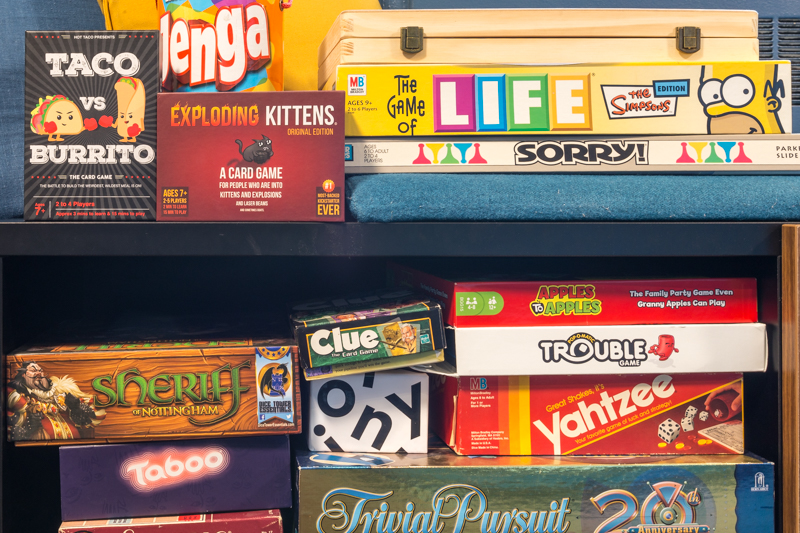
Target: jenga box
589 415
253 156
469 301
441 491
603 99
372 412
180 477
90 125
240 522
129 391
221 45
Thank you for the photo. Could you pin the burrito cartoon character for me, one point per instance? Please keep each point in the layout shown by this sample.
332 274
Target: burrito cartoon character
130 109
56 116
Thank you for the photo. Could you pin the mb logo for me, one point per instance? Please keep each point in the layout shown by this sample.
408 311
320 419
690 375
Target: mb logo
356 85
477 384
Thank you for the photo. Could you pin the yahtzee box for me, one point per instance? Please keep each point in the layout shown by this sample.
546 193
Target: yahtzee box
589 415
605 99
257 156
151 390
90 125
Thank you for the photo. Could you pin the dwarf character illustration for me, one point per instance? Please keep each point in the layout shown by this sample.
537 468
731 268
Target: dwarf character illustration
130 109
48 408
274 380
736 103
57 115
664 348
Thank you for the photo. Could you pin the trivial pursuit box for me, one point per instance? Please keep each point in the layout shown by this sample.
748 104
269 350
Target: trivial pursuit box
626 98
440 491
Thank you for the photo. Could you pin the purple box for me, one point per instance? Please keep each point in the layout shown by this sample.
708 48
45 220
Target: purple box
181 477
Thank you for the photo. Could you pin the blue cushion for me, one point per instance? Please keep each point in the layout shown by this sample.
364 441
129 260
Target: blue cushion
15 19
576 197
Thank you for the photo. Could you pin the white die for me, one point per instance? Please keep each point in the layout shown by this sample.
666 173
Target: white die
703 415
691 411
687 424
668 430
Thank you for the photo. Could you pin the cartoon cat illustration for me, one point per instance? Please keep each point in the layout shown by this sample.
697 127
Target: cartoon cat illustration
258 152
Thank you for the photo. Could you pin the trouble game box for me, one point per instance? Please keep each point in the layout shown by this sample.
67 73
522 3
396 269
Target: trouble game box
471 302
180 477
441 491
257 156
90 125
151 390
589 415
241 522
604 99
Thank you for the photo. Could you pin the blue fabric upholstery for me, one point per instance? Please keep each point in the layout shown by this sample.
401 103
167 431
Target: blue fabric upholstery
577 197
15 19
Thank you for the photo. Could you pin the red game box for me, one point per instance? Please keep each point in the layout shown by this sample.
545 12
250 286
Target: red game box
241 522
589 415
251 156
571 303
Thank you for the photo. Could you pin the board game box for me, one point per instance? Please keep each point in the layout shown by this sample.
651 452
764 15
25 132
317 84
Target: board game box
257 156
715 154
368 327
721 98
179 477
441 491
470 301
151 390
588 415
240 522
90 125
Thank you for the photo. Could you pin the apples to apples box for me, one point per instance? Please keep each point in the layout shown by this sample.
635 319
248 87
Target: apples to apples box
90 125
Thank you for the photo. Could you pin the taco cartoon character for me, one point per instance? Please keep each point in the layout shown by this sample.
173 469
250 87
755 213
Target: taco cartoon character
738 102
56 116
130 109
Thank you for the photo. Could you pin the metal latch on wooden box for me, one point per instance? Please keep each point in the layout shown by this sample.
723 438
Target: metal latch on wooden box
688 39
411 39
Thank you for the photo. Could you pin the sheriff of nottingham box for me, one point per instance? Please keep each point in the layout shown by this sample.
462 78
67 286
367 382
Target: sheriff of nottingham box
116 392
441 492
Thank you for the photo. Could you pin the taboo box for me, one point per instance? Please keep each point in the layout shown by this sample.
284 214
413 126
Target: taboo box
240 522
257 156
90 125
589 415
151 390
180 477
380 325
592 98
440 491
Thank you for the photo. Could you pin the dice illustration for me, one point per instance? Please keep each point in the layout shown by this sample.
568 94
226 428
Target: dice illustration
668 430
691 411
687 424
703 415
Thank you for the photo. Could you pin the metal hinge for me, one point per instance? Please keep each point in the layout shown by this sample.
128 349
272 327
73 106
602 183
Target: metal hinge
688 39
411 39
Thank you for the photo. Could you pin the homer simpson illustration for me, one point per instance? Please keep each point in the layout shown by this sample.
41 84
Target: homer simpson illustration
56 116
130 109
736 102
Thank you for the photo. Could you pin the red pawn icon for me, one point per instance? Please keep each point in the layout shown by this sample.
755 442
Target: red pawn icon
664 348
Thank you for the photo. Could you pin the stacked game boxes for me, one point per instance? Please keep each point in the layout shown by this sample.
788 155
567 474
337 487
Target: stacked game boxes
192 431
542 382
531 90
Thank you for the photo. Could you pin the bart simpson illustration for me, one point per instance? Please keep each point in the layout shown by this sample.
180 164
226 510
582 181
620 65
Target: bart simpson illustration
56 116
130 109
737 102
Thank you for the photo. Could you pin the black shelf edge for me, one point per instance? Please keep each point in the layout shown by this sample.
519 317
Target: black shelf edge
444 239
